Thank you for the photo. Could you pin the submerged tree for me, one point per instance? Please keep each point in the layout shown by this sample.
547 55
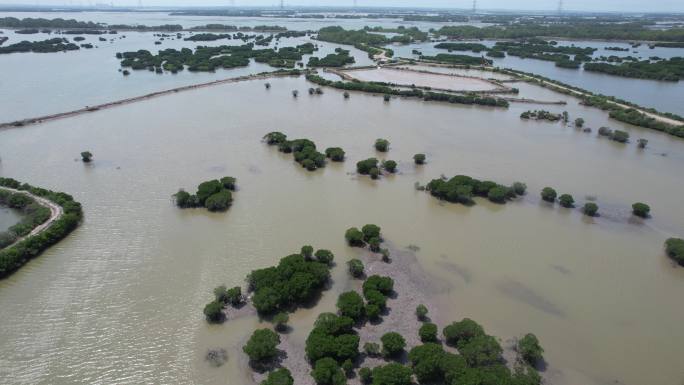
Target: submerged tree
86 156
549 194
590 209
382 145
641 210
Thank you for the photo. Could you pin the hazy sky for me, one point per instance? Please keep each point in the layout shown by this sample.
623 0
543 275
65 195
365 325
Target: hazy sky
581 5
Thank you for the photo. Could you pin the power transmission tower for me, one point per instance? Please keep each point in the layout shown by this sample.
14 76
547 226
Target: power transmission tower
560 7
282 4
139 3
474 6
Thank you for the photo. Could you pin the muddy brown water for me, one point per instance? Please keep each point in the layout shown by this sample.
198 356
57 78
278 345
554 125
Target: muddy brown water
120 300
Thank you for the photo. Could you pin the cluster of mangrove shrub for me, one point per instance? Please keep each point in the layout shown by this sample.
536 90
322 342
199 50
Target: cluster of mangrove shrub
667 69
543 50
280 376
208 37
356 268
368 167
340 58
616 135
549 194
13 22
616 49
619 59
637 118
369 234
541 115
406 35
331 345
670 45
457 59
304 150
475 47
13 257
296 280
223 296
33 215
641 209
211 58
376 290
675 249
226 27
262 347
479 359
215 195
45 46
361 39
574 29
382 145
373 167
385 89
467 98
462 189
339 35
336 154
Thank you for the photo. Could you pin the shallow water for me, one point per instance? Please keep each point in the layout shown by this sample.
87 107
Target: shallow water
8 218
120 300
38 84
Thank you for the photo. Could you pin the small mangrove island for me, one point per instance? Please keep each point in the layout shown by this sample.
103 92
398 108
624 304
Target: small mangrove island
214 195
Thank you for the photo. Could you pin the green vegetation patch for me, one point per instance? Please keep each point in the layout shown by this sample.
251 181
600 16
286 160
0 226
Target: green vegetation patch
293 282
667 69
340 58
303 150
462 189
211 58
13 257
457 59
675 249
214 195
541 115
56 44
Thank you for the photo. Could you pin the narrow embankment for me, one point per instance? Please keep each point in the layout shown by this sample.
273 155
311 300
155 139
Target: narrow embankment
87 109
56 211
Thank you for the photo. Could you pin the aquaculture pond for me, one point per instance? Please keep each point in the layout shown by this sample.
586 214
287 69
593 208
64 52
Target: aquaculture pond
665 96
120 300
